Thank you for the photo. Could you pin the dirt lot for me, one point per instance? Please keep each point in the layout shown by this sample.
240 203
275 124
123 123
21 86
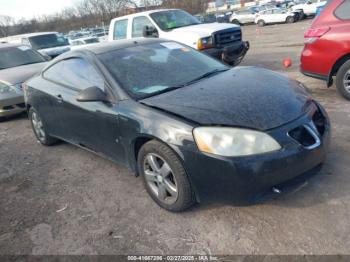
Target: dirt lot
108 211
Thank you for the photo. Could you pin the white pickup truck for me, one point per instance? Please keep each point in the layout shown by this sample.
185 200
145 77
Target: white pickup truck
219 40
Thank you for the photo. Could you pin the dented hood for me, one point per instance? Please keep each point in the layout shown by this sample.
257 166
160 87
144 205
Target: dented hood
243 97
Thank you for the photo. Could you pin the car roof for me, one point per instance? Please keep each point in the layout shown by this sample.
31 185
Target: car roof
7 45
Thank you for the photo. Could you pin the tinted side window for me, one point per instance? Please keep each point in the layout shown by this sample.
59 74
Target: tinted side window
120 29
343 11
76 73
138 24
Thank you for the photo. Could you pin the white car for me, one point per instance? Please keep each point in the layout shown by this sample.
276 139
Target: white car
82 42
273 16
309 7
219 40
241 17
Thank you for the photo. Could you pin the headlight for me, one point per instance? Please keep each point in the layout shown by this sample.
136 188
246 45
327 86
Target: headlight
205 43
4 88
233 141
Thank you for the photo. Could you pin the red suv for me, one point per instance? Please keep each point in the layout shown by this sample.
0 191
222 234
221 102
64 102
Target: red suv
327 46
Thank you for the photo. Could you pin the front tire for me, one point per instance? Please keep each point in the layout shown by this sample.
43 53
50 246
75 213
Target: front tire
261 23
236 22
343 80
290 19
39 128
164 177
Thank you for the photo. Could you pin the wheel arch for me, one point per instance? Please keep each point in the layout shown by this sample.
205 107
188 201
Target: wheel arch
342 60
141 140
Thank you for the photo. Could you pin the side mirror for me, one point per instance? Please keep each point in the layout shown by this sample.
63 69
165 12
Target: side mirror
150 31
92 94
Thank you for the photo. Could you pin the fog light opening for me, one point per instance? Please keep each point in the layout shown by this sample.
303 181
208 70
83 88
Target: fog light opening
276 190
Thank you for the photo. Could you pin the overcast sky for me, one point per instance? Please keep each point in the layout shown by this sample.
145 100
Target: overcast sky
30 8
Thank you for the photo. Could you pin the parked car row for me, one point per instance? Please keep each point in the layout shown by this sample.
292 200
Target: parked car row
276 12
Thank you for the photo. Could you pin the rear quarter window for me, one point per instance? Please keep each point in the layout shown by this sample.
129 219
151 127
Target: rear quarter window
343 11
120 29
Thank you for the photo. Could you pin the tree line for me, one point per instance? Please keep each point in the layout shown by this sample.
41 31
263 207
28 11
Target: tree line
91 13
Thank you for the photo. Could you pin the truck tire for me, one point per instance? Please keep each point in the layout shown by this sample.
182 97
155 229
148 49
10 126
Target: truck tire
343 80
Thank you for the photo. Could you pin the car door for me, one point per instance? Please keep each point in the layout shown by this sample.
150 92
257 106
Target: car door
268 16
93 125
279 15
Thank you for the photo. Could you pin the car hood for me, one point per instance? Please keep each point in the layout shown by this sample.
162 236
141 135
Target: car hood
246 97
207 29
19 74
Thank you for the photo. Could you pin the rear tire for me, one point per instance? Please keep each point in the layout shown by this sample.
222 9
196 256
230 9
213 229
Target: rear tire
343 80
261 23
290 19
236 22
170 189
39 129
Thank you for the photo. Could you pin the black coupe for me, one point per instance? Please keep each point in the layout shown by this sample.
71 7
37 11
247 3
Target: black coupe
189 125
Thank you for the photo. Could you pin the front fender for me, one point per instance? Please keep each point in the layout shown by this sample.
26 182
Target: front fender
138 121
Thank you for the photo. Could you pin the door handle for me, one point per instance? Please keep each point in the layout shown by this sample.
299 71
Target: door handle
59 98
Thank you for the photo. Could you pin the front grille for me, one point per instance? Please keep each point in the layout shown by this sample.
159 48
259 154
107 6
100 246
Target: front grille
303 136
227 37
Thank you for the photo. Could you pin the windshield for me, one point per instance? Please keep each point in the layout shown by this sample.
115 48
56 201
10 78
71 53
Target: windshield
148 70
47 41
168 20
17 56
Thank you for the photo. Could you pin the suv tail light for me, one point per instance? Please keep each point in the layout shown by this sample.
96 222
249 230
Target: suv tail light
312 34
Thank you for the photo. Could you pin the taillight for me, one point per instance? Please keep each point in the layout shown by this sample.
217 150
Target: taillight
312 34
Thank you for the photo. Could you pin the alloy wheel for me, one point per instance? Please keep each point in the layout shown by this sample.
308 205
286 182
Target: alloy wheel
38 126
160 178
346 81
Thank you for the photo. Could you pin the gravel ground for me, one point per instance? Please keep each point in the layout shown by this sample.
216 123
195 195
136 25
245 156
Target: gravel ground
105 210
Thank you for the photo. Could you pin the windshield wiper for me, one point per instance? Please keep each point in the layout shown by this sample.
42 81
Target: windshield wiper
206 75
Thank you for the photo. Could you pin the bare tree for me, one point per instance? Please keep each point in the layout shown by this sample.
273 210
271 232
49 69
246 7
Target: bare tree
91 13
5 24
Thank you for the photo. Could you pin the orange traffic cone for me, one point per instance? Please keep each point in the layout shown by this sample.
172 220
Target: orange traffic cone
287 62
